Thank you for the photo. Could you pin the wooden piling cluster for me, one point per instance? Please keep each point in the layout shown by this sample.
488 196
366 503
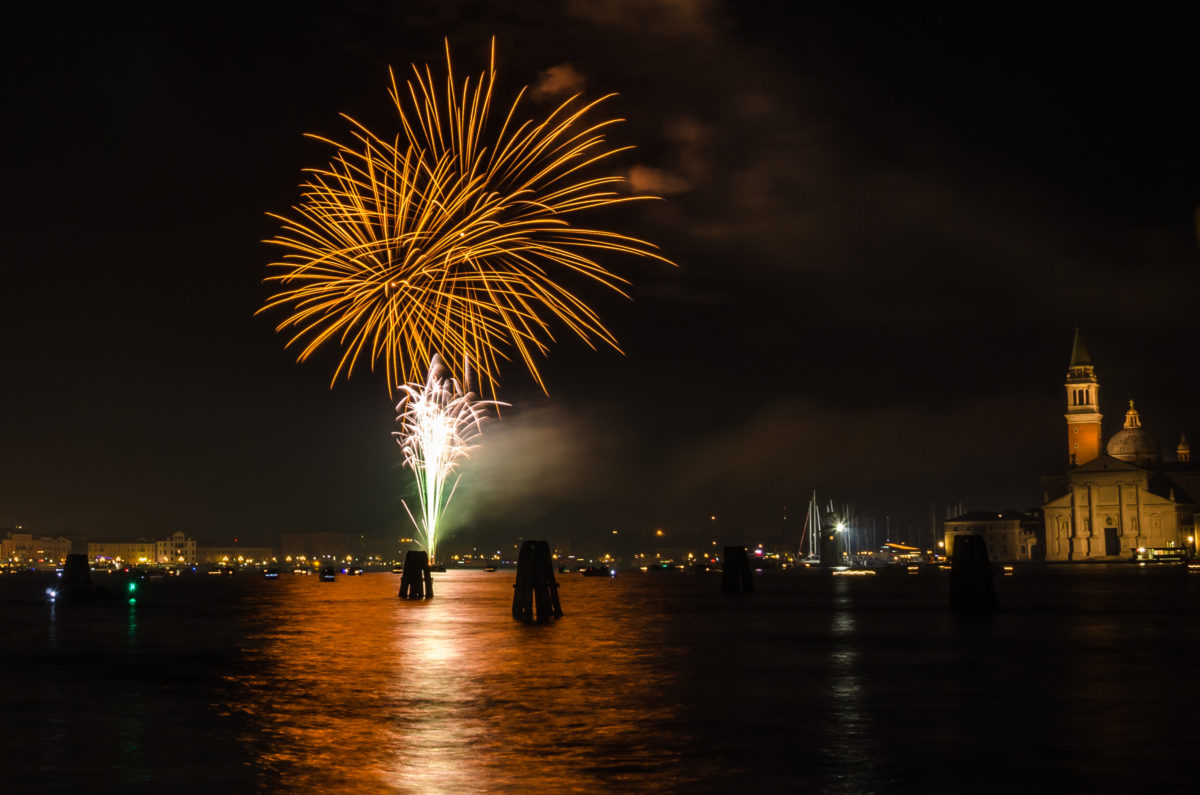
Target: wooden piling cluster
416 582
535 586
972 586
77 575
736 575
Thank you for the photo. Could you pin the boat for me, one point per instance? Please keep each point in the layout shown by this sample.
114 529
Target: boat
598 571
328 574
272 573
812 526
1175 555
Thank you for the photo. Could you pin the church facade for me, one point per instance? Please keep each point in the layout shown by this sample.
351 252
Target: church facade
1120 500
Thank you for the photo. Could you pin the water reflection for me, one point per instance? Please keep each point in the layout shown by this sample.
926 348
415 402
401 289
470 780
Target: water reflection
813 683
849 744
349 687
131 721
432 741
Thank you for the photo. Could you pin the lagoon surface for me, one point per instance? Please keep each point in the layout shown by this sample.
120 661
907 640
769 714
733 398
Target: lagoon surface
1083 680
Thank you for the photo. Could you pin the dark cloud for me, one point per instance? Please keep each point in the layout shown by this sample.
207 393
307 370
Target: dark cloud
791 446
658 17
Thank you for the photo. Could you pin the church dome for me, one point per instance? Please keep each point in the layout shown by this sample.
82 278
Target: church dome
1133 443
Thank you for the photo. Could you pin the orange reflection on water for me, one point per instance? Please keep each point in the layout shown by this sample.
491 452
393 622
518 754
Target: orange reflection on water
349 687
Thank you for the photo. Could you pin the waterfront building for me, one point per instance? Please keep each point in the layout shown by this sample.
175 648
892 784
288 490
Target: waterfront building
234 555
25 548
140 552
176 549
1117 502
1008 535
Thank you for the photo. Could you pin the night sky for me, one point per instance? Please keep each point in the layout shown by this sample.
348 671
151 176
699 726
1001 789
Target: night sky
887 225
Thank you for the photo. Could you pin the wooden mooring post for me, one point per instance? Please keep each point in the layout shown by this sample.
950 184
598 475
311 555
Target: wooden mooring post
972 586
77 575
736 575
416 582
535 586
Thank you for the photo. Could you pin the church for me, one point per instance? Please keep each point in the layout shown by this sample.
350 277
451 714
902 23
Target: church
1119 500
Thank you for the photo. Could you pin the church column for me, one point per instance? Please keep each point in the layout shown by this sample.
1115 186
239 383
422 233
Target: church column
1141 518
1122 518
1091 545
1077 526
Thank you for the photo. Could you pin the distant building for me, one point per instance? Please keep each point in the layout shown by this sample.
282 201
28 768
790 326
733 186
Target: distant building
176 549
140 551
321 545
1110 504
1008 535
234 554
19 547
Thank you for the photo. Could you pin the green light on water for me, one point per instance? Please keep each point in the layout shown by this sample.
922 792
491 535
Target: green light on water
132 587
132 601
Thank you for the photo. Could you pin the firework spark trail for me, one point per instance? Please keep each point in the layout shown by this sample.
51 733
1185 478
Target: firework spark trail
454 236
438 422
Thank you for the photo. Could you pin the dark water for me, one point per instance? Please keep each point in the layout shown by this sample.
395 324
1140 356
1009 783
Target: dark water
1083 681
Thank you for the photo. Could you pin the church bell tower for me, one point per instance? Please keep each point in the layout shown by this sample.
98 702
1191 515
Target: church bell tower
1083 406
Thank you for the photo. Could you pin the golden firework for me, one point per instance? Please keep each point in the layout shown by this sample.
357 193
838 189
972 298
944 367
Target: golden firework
454 237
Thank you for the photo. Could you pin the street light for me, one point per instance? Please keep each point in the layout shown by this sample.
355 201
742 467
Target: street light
840 527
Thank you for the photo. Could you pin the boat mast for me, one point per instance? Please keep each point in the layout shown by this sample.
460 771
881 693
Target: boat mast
814 523
804 532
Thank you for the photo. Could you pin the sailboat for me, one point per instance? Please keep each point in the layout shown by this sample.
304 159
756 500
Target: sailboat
812 527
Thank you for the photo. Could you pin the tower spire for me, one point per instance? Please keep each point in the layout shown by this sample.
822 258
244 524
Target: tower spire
1079 352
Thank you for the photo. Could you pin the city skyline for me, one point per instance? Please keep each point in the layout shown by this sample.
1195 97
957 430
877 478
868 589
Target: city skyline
887 229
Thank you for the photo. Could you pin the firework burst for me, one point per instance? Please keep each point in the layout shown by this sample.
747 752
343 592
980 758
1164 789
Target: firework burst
438 422
455 235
